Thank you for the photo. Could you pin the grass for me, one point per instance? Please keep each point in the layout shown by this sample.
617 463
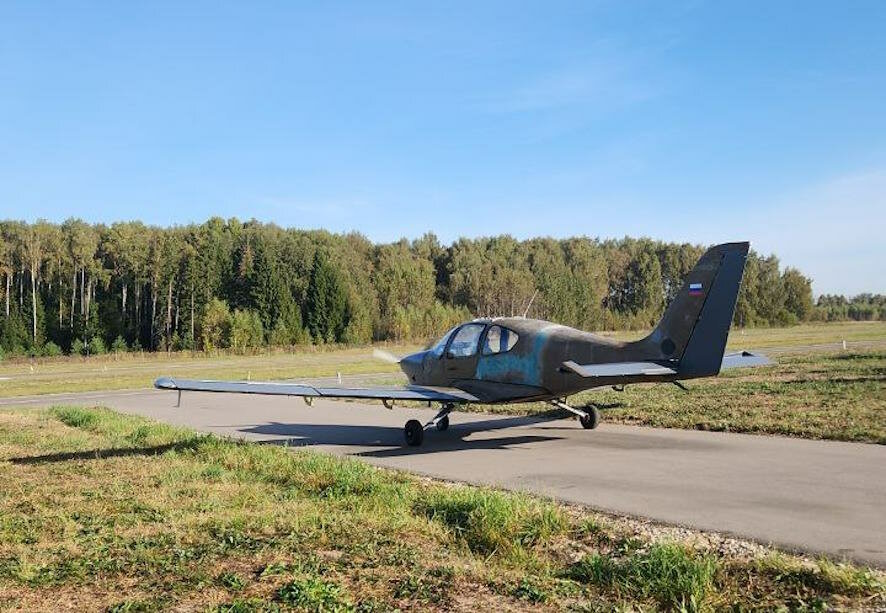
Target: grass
101 511
672 575
491 522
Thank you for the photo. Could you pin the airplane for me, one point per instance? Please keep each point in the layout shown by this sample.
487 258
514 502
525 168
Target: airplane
515 359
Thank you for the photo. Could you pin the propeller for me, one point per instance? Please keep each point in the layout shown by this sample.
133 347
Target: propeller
385 356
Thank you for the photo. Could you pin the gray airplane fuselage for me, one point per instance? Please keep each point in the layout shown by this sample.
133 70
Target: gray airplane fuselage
533 368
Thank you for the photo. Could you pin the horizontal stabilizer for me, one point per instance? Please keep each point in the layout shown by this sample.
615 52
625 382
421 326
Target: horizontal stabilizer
411 392
619 369
744 359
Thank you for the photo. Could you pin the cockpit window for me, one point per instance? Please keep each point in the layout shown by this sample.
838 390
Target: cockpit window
464 343
499 340
439 346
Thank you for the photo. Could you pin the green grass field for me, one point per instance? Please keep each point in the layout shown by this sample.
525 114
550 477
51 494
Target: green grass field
100 511
816 389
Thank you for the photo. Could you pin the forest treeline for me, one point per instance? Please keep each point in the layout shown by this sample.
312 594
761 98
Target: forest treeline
85 288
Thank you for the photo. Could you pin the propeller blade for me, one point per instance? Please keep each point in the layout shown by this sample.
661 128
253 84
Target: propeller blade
385 356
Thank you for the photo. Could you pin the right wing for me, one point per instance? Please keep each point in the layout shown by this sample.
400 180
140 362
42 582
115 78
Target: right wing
409 392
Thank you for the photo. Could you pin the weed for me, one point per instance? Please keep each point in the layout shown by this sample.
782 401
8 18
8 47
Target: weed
314 595
528 590
231 581
133 606
273 569
247 605
428 587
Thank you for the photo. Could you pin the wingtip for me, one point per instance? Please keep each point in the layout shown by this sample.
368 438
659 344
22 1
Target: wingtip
165 383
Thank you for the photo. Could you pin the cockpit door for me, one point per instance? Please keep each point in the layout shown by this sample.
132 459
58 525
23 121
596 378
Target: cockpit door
460 358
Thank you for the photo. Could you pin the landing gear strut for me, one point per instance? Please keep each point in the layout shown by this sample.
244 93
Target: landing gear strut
414 431
588 417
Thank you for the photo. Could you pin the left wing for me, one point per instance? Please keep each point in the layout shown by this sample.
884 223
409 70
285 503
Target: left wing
409 392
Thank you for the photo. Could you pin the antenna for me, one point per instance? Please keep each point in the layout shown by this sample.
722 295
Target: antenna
528 306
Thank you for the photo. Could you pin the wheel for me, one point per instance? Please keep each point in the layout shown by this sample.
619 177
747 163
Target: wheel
443 423
414 433
592 419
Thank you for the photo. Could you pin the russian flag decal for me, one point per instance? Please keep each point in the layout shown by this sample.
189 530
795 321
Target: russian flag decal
695 289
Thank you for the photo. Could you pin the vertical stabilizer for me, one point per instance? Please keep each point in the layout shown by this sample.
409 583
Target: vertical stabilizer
695 325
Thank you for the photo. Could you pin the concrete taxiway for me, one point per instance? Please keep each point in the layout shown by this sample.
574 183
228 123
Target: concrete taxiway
814 496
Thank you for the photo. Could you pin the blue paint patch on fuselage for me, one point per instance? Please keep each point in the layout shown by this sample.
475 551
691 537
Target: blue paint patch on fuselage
511 367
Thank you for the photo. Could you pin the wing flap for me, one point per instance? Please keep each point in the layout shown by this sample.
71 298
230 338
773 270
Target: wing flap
411 392
619 369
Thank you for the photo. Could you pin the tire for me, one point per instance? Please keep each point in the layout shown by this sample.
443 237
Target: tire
592 420
443 424
414 433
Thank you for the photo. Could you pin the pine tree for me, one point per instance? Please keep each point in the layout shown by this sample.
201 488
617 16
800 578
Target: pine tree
327 302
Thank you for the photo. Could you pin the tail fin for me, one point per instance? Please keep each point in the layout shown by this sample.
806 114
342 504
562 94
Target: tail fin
695 325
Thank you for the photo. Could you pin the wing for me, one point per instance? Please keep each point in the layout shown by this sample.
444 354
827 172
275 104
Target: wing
619 369
744 359
410 392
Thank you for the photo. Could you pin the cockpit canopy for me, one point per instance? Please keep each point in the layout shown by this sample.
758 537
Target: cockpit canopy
464 341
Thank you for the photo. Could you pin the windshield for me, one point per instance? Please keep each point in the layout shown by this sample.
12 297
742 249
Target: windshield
464 343
440 345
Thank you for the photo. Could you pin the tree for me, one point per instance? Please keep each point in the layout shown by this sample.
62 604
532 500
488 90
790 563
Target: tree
403 279
797 293
156 287
216 325
34 246
10 241
327 302
246 330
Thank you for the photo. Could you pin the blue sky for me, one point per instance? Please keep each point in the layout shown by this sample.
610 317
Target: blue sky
689 121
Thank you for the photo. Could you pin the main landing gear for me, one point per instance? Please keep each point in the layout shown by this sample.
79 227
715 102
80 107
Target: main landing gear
414 431
588 417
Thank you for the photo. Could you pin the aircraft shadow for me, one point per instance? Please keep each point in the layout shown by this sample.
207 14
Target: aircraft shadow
102 454
390 439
